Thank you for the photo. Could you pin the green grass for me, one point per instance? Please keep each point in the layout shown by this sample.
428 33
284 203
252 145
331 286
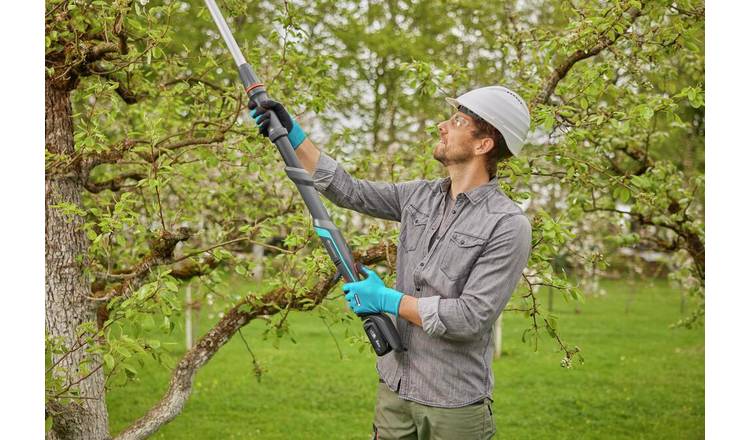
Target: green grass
640 379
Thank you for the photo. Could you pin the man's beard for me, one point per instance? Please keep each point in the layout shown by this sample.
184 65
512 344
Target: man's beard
455 157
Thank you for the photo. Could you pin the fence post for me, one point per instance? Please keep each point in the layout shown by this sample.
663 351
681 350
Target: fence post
498 335
258 252
188 317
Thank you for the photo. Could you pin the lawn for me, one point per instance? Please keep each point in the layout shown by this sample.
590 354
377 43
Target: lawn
640 379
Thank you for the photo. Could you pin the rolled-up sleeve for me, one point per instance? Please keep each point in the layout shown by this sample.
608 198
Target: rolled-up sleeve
379 199
488 288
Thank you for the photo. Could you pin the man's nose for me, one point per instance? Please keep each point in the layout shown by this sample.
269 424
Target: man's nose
441 127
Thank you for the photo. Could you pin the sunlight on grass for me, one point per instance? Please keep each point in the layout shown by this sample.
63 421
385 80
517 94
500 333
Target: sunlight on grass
640 379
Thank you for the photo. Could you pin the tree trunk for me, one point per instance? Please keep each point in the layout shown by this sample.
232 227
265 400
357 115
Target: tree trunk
66 288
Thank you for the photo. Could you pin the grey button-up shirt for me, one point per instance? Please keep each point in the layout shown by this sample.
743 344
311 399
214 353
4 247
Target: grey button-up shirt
461 284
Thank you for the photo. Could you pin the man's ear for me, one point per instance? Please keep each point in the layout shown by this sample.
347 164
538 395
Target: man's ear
484 146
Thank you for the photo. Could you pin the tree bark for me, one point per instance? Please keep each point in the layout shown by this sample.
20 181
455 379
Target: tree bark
66 288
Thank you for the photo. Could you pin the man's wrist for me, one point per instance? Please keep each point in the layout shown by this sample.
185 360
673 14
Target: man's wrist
392 301
296 135
408 309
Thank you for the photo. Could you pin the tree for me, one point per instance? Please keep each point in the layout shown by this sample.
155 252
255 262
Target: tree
153 176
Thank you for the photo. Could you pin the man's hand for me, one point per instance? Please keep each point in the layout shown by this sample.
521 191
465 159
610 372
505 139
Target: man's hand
262 118
371 295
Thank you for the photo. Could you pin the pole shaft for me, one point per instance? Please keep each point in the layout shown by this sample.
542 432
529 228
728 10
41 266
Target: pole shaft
380 329
239 59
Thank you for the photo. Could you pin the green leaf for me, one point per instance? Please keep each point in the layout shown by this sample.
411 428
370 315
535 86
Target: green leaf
91 235
123 351
109 361
171 286
549 121
130 371
645 111
622 194
523 335
245 228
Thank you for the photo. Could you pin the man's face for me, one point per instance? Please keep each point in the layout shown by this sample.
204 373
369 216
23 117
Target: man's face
457 141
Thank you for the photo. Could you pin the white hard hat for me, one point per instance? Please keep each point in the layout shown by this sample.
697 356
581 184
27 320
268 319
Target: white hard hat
503 109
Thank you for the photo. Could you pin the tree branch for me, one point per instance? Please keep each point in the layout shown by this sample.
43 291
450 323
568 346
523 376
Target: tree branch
98 52
561 70
125 93
181 384
191 79
162 249
188 269
113 184
112 155
694 245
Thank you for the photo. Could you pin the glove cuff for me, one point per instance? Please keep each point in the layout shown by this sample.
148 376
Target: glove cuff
296 135
391 301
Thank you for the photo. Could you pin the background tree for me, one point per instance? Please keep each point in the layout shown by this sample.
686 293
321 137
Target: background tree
154 177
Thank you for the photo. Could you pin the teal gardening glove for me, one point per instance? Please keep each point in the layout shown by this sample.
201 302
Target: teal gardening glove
263 118
371 296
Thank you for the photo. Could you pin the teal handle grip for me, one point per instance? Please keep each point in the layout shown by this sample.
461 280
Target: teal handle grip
334 250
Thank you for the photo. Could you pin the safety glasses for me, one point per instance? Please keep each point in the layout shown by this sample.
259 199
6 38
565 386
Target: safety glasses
459 121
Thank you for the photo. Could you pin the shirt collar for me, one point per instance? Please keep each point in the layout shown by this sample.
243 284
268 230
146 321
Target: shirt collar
475 195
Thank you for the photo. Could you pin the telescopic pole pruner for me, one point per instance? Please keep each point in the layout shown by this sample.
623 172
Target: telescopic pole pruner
379 328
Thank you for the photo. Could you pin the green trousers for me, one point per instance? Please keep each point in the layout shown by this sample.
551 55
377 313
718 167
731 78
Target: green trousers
398 419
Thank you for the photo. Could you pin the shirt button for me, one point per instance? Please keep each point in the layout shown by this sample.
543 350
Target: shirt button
463 241
453 212
421 264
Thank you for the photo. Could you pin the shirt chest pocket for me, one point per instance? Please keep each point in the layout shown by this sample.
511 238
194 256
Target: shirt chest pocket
412 228
460 253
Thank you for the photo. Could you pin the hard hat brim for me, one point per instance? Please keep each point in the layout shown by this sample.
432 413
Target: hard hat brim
453 102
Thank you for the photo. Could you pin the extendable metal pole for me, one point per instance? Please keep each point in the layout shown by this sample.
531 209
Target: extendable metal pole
378 327
234 49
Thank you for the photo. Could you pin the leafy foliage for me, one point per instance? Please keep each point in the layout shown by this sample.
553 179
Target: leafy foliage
180 186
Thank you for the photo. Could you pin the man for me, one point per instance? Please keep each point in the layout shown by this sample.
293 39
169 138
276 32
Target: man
462 249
